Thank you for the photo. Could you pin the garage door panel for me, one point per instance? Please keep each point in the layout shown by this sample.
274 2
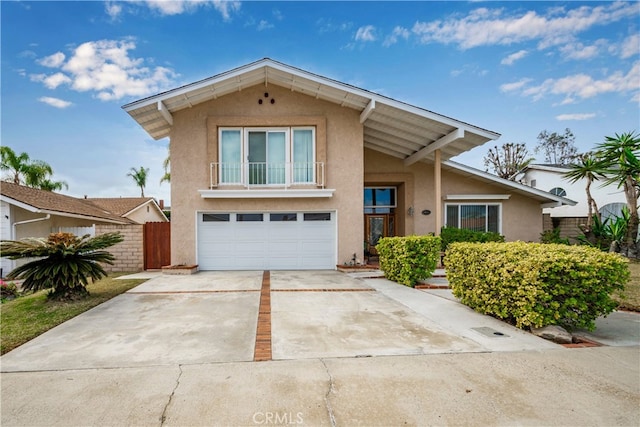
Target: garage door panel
273 243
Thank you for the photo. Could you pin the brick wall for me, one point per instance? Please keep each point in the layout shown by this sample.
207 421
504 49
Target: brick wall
129 253
569 227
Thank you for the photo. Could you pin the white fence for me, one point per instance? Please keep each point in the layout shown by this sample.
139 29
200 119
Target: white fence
78 231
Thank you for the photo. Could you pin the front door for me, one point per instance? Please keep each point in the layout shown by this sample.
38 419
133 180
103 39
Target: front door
377 226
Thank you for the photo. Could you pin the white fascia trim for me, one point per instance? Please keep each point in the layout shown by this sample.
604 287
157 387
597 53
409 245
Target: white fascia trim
152 202
266 194
79 216
269 63
507 183
477 197
19 204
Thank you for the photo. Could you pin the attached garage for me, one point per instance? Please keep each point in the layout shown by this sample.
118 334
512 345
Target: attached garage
266 240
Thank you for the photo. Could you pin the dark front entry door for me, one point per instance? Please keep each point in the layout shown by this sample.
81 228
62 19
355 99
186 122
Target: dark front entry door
377 226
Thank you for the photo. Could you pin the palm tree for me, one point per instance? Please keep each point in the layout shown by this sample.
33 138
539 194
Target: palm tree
37 176
619 159
588 167
64 263
166 165
17 165
32 173
140 177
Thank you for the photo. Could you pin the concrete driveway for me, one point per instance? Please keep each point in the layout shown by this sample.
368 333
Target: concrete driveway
212 317
180 350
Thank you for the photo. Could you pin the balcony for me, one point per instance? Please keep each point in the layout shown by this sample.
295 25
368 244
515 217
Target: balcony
267 180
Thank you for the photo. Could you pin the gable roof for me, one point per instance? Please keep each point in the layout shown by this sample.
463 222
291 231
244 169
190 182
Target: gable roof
548 168
390 126
122 205
543 197
48 202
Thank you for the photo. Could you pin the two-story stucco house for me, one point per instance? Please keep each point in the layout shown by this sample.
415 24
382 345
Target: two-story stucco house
274 167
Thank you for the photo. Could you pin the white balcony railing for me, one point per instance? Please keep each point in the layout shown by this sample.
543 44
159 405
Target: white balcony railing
262 174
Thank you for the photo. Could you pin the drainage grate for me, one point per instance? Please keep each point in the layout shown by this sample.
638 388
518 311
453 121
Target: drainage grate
490 332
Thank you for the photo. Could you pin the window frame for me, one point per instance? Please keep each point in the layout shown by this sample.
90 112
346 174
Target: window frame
290 177
486 205
394 203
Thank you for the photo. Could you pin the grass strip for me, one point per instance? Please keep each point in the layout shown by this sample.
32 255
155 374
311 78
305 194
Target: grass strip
30 315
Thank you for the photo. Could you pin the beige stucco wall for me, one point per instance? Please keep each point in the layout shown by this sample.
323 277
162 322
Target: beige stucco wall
41 228
339 136
146 213
521 216
129 253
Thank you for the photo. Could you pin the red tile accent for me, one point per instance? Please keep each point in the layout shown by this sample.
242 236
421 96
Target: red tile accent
262 351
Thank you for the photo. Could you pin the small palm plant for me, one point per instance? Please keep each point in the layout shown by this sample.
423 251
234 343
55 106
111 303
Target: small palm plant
64 263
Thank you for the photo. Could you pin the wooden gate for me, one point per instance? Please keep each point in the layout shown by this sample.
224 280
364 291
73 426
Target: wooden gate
157 245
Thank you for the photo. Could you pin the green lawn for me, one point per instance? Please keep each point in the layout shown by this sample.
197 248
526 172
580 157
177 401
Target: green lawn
629 299
28 316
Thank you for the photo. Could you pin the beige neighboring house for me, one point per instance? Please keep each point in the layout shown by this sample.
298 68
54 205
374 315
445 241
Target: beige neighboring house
137 209
29 212
274 167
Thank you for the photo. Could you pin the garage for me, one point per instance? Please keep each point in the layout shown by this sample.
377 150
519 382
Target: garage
266 240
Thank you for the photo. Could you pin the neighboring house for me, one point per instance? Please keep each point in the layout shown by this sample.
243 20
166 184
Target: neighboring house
609 198
29 212
273 167
137 209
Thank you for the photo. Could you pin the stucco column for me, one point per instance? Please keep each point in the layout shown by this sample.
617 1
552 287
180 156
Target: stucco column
437 182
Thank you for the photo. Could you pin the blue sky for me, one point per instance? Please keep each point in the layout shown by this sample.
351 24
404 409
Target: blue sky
515 68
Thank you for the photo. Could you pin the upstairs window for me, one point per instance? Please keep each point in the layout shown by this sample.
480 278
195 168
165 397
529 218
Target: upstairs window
267 156
557 191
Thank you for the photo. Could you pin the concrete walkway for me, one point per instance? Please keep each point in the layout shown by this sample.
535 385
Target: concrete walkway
178 350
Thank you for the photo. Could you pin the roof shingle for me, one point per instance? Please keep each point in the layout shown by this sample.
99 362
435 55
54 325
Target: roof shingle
50 202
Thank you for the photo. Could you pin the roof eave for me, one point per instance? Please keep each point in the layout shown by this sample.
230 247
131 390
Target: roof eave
538 194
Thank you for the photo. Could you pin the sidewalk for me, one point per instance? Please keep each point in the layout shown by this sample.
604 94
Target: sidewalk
592 386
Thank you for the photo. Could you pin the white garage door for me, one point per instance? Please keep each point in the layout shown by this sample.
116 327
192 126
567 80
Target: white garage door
267 241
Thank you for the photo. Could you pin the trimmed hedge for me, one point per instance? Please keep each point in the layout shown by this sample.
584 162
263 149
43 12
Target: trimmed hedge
535 284
409 259
452 235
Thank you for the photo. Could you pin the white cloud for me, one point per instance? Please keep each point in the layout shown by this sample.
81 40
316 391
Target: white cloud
177 7
630 47
52 81
264 25
55 102
483 27
584 86
105 68
366 34
52 61
398 32
577 50
509 60
113 9
575 116
510 87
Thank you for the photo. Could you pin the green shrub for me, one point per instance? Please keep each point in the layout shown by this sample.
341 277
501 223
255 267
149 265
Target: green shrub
63 262
407 260
452 235
553 236
8 290
534 284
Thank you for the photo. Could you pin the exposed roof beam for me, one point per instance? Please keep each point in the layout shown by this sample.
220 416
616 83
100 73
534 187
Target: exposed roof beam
435 145
368 111
165 113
